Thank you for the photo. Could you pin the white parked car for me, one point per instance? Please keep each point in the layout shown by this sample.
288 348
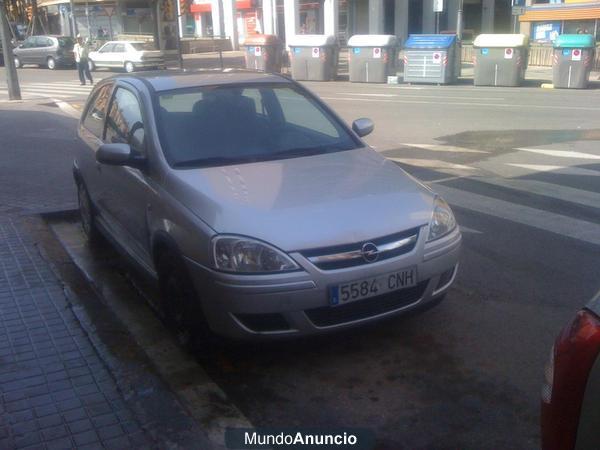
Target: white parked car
128 55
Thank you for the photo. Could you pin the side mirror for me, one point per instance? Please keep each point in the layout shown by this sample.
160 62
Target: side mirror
363 126
119 155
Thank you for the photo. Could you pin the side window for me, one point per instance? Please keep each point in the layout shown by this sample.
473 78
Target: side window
119 48
29 42
124 124
107 48
94 118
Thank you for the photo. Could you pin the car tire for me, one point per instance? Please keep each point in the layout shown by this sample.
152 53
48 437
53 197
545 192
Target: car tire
51 63
87 214
180 302
129 67
91 65
17 62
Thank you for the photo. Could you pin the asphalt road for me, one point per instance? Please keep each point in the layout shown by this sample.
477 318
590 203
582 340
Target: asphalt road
521 168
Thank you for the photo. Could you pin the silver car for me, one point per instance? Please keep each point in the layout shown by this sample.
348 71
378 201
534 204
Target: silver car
257 209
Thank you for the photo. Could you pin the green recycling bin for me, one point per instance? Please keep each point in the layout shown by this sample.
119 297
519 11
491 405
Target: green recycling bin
572 60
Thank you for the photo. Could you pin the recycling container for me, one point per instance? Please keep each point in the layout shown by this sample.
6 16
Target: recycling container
314 57
372 57
432 58
572 60
264 52
500 59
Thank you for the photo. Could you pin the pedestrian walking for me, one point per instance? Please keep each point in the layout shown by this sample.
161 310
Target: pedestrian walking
82 49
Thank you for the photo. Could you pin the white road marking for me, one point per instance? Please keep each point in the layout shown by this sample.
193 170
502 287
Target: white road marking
559 192
563 170
495 105
432 163
560 153
464 229
555 223
444 148
421 96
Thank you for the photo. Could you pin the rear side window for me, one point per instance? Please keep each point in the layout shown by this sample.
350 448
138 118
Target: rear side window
94 118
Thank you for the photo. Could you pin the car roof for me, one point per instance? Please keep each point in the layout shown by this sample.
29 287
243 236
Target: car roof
169 80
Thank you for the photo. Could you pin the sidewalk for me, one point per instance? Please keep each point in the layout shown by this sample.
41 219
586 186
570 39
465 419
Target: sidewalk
71 376
56 391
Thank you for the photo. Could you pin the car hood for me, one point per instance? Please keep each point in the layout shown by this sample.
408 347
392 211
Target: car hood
308 202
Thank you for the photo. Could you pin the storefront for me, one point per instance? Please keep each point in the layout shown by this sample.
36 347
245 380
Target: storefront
545 22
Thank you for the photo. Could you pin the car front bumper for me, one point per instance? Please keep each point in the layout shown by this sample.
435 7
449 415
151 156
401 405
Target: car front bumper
297 303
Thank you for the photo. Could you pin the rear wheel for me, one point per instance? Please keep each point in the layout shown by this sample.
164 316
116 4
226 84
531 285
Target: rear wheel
180 302
17 63
129 67
51 63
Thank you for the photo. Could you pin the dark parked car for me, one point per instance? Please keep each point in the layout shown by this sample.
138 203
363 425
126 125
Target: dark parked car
49 51
571 391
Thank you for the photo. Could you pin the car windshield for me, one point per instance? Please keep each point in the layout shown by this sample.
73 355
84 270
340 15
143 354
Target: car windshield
224 125
142 46
66 42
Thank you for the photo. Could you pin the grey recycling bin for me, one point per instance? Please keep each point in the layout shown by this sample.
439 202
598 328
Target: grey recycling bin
264 52
572 60
432 58
372 57
500 59
314 57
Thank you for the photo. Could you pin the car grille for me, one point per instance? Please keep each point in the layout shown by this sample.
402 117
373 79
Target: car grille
342 256
335 315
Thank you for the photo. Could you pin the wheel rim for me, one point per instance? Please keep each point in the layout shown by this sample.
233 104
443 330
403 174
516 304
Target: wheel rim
129 67
91 66
17 62
51 64
85 211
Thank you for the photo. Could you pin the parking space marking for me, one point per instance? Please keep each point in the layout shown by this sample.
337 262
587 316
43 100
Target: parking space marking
548 221
560 153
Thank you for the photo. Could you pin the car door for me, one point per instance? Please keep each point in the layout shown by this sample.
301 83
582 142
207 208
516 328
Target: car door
102 56
128 190
26 50
39 50
118 55
91 132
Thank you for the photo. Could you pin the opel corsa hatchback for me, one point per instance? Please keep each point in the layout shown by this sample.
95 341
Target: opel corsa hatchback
257 209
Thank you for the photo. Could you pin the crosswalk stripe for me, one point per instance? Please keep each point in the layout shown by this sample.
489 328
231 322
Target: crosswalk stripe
60 86
50 90
544 220
432 164
560 153
444 148
563 170
556 191
442 97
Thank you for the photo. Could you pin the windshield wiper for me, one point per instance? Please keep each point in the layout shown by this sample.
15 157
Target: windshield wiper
207 162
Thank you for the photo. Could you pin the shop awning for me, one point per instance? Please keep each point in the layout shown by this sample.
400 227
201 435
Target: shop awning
562 13
42 3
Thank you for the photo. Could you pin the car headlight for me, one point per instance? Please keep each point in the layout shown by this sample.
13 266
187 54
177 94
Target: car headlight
245 255
442 220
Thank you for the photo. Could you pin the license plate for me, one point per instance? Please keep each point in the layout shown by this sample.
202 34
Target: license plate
371 287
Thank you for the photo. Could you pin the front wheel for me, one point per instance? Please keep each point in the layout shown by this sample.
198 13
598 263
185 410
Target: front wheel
51 63
86 214
91 65
129 67
17 63
180 302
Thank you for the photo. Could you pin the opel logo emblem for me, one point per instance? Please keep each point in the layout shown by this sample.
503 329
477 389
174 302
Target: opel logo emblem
370 252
